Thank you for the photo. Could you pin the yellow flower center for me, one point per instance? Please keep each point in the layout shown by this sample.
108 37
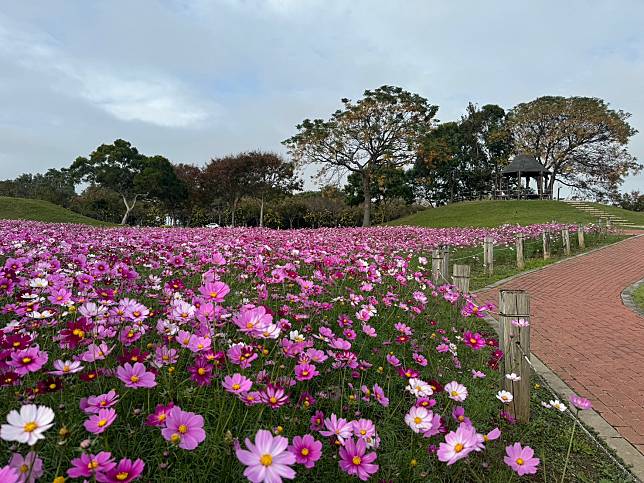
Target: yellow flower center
24 468
520 461
458 448
214 295
78 333
134 378
472 340
236 387
52 386
461 418
186 340
30 427
92 465
305 373
418 420
305 451
66 368
183 429
273 400
26 360
122 475
356 460
485 438
162 417
102 423
201 371
266 460
165 358
454 393
175 438
364 431
16 344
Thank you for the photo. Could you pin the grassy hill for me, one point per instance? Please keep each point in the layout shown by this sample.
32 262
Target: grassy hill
38 210
495 213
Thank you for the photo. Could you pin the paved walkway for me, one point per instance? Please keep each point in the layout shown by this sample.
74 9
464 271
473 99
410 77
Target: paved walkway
583 332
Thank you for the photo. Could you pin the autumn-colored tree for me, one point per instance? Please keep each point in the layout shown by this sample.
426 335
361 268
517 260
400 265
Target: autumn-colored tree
380 130
580 139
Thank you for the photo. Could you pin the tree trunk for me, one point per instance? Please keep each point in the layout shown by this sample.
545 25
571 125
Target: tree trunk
366 191
261 212
128 208
551 185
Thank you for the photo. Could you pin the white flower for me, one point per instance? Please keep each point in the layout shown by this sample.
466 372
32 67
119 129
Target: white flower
520 323
28 425
505 397
513 377
295 336
419 388
558 405
38 283
419 419
546 405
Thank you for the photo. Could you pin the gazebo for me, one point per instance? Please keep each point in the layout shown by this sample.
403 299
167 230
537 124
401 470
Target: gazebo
525 166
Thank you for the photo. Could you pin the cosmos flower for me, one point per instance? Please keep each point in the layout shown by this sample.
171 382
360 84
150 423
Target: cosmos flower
28 425
136 376
456 391
306 449
267 459
97 423
521 459
184 428
355 460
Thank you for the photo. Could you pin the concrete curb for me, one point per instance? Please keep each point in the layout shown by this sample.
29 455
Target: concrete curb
627 298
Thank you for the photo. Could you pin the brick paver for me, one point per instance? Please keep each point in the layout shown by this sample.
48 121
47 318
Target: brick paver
583 332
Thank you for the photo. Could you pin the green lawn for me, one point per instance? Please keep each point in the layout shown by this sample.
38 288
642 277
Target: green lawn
636 217
38 210
495 213
638 297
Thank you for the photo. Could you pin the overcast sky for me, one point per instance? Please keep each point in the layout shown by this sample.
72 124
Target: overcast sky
195 79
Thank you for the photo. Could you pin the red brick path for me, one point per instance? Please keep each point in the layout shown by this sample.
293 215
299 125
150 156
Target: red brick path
583 332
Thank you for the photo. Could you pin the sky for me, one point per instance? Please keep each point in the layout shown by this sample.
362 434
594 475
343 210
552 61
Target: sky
195 79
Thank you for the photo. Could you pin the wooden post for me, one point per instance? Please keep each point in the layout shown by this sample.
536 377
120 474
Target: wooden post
444 266
488 255
565 236
519 245
580 237
515 344
436 265
546 244
461 277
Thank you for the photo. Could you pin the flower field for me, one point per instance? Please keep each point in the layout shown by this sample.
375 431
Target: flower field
222 355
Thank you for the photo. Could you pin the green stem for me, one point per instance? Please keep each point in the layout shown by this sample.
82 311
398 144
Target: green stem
572 435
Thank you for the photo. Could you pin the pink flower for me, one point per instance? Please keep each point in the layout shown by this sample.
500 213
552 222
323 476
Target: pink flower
97 423
28 360
473 340
64 368
456 391
9 474
89 464
379 394
521 459
267 459
159 416
580 402
337 427
237 384
306 450
136 375
274 396
29 468
184 428
93 404
458 444
364 429
304 372
125 471
354 461
214 291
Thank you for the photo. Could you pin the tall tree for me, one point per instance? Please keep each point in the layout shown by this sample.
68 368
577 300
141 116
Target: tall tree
580 139
121 168
381 129
387 184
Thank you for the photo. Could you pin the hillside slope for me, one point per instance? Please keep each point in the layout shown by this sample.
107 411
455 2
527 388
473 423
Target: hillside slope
491 213
39 210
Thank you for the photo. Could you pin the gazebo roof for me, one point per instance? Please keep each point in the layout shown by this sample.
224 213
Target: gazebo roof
524 163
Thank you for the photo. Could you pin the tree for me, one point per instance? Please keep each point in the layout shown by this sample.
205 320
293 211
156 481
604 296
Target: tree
56 186
580 139
387 184
269 176
121 168
381 129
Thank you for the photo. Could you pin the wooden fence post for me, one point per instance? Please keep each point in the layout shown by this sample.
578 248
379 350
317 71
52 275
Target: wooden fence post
580 237
519 246
546 244
461 277
565 236
445 262
436 265
515 344
488 255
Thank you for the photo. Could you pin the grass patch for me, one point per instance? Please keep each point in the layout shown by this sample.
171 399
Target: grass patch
638 296
39 210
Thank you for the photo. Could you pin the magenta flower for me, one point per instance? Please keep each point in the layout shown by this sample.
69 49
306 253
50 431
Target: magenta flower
9 475
580 402
93 404
458 444
237 384
89 464
316 421
159 416
97 423
521 459
214 291
267 459
28 360
136 375
354 461
337 427
379 394
473 340
201 372
306 450
29 467
304 372
184 428
125 471
274 396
